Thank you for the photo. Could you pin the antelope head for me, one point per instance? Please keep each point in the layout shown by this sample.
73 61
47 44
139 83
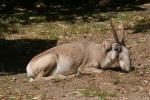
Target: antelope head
123 53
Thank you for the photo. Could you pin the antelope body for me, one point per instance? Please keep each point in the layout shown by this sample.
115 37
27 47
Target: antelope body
80 57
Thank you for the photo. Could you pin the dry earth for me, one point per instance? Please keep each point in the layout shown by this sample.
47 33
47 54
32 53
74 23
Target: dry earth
107 85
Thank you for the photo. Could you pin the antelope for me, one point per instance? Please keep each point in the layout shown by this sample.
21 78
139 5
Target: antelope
80 57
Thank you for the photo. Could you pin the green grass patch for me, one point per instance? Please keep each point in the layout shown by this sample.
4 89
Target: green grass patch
97 23
94 93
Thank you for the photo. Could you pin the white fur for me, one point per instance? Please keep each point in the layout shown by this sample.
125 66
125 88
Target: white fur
124 59
114 55
43 61
31 79
29 71
109 59
64 66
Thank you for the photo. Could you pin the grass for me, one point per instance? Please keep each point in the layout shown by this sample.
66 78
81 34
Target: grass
36 86
8 92
142 26
57 79
36 27
63 29
7 79
116 81
88 92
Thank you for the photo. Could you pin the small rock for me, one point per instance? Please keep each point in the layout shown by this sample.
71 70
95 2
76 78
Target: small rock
125 92
39 97
124 98
140 88
145 81
139 65
141 73
147 72
149 92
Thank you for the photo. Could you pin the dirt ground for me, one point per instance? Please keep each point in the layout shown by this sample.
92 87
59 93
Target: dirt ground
108 85
113 84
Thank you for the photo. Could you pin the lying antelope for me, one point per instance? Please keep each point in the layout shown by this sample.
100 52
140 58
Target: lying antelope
77 58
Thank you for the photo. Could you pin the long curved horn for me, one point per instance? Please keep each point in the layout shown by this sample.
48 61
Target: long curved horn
114 32
123 34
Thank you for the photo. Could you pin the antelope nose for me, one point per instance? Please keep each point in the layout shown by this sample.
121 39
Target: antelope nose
117 48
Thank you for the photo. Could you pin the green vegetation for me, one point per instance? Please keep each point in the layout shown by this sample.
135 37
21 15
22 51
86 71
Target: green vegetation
94 93
63 29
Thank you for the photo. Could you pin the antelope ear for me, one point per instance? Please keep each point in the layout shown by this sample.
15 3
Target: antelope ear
107 45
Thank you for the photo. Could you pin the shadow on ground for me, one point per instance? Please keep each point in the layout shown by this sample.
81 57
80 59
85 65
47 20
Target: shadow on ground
142 26
15 54
118 69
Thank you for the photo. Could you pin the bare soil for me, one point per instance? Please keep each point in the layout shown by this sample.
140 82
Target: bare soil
134 85
108 85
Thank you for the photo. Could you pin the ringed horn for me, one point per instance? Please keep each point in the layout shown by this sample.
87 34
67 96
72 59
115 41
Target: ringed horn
115 34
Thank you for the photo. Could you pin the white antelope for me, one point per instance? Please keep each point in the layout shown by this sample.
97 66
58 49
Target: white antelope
82 57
